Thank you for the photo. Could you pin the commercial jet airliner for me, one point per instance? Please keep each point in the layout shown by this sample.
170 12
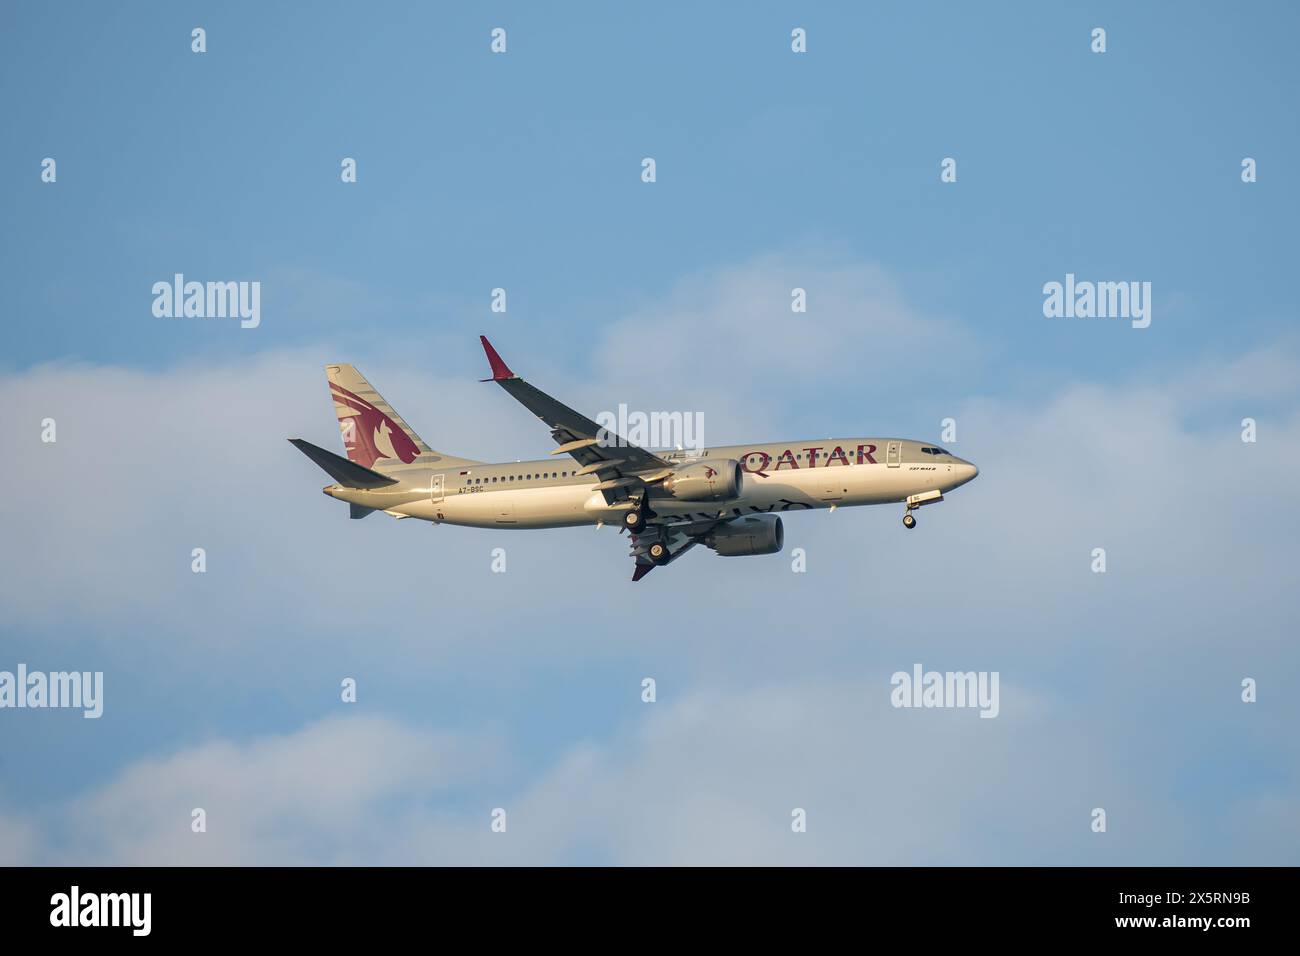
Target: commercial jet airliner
726 498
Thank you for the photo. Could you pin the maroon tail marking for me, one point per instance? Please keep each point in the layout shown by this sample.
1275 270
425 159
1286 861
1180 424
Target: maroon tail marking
368 421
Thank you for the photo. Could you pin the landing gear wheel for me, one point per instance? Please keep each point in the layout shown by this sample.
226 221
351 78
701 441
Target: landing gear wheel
634 521
659 553
909 521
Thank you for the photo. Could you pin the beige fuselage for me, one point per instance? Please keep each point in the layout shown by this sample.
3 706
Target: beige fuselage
789 476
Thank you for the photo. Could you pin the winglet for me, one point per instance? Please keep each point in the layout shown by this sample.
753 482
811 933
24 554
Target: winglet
641 571
499 368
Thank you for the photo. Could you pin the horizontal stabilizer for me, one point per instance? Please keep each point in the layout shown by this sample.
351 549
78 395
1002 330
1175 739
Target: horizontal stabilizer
346 473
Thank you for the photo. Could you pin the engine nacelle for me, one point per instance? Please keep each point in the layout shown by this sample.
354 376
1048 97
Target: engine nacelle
716 480
752 534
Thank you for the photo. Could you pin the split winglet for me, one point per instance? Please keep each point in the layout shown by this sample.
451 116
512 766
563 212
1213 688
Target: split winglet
500 370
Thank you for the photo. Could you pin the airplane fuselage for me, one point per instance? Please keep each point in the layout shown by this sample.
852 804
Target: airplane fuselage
781 476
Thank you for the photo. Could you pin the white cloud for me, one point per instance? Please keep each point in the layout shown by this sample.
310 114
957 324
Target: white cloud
19 843
322 794
727 342
152 464
710 778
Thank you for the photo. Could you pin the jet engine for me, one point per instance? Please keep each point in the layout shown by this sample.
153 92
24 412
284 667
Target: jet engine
716 480
752 534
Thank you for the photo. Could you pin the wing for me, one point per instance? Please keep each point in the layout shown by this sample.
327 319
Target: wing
621 469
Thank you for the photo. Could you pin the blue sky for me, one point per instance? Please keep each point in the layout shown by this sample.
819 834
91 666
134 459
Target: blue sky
775 170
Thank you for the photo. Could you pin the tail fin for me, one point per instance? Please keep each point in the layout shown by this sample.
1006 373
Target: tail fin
372 430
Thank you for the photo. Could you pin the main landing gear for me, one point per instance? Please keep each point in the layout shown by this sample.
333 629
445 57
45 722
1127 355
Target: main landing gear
909 521
634 520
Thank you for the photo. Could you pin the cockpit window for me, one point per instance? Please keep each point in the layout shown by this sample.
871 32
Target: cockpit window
935 451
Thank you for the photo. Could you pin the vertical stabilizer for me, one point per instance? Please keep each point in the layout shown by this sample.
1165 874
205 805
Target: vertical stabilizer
373 433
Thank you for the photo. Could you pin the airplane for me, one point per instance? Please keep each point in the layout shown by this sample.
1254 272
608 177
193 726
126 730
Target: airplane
728 498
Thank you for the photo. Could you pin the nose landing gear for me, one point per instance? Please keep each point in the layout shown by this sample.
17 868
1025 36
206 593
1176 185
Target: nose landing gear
912 502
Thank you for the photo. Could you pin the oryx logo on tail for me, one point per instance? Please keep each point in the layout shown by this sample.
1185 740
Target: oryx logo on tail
368 433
